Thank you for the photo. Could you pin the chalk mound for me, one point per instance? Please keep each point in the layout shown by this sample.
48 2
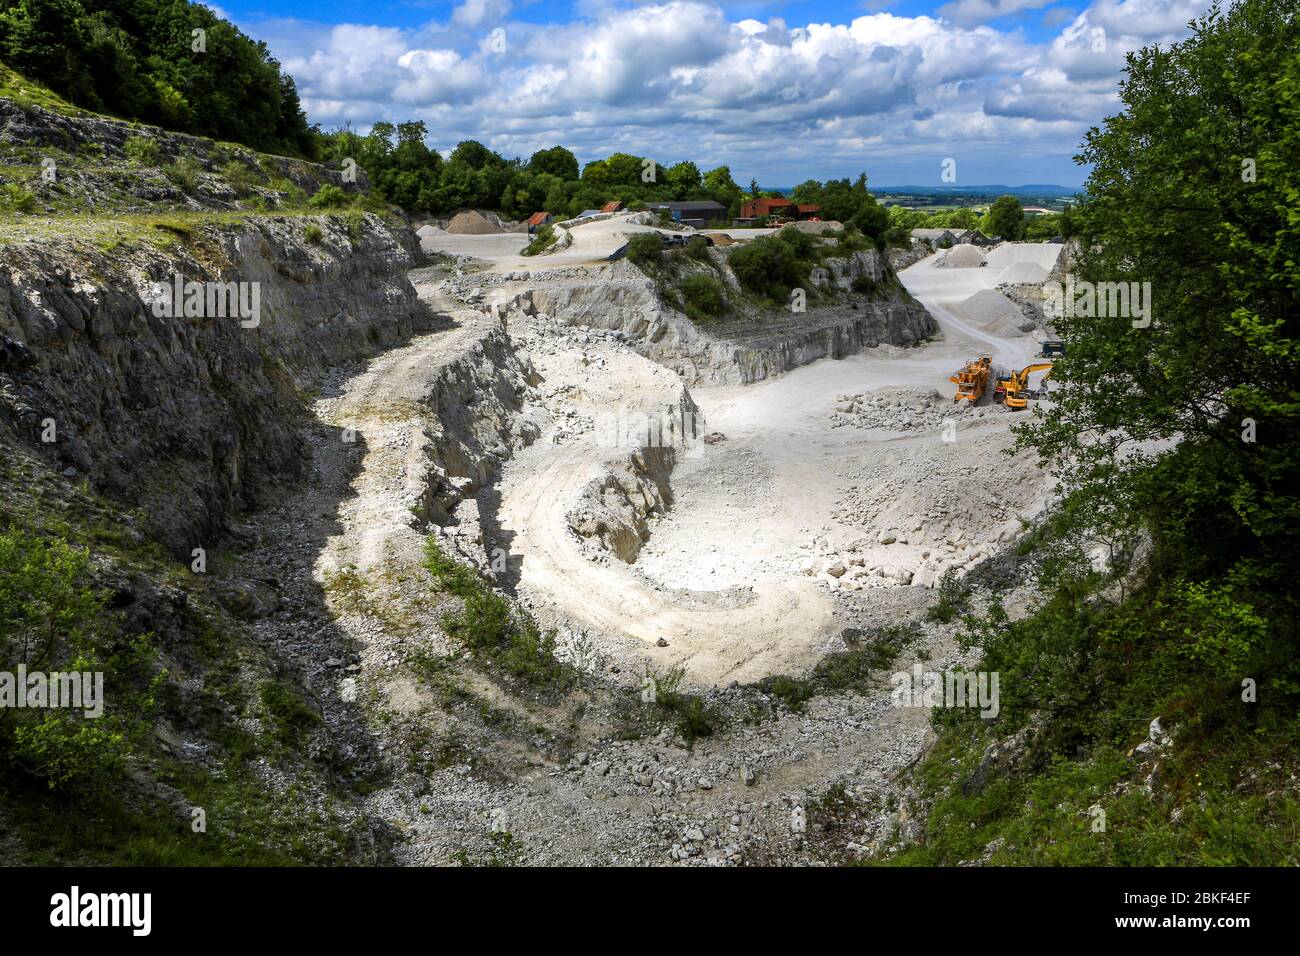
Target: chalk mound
1023 273
429 230
993 312
471 223
964 256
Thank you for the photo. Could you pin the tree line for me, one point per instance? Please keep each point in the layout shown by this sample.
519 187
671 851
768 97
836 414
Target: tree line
170 63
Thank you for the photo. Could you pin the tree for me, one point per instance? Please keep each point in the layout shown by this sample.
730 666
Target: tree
682 180
1187 416
556 161
1005 218
475 155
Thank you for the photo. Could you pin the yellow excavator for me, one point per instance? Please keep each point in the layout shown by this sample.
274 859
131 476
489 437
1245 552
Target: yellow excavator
972 379
1014 391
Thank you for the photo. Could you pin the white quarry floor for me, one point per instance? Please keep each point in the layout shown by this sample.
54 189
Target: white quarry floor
733 580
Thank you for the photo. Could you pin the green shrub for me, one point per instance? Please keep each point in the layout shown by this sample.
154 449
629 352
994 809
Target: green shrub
691 717
15 198
314 233
240 177
53 618
184 172
768 267
703 296
953 598
543 240
490 629
646 249
290 717
354 220
329 197
697 247
143 151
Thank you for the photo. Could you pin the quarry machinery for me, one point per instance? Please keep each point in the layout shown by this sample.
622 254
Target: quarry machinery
1051 348
972 379
1013 391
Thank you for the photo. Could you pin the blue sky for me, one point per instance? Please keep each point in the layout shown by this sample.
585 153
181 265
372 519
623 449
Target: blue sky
779 91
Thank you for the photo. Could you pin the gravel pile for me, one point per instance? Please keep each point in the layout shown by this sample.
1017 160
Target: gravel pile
964 256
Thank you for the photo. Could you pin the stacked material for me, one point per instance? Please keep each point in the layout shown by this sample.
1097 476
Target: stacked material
993 312
429 229
964 256
471 223
1023 273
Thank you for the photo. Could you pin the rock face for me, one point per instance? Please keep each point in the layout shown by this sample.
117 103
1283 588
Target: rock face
614 509
842 273
191 418
474 422
106 184
625 300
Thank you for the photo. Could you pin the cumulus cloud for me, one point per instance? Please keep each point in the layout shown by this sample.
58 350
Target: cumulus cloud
679 78
475 13
971 12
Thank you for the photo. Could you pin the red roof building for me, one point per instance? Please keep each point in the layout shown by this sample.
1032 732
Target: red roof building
614 206
763 207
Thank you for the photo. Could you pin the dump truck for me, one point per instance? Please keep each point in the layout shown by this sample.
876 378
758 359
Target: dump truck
1051 348
1013 390
972 379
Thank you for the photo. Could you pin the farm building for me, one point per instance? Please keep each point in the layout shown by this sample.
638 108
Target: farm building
698 214
539 219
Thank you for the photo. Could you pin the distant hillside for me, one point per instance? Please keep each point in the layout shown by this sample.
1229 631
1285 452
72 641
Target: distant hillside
1033 189
170 63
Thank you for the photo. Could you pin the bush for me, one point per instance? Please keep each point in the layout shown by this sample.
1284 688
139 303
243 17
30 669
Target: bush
53 618
329 197
17 199
354 220
239 176
953 598
703 295
314 233
697 247
646 249
691 717
543 240
489 628
290 718
768 267
185 173
143 151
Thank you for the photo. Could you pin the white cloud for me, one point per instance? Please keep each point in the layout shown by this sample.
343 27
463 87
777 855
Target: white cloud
972 12
677 78
475 13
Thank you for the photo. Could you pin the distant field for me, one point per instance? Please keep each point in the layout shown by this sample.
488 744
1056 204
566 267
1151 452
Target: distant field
929 202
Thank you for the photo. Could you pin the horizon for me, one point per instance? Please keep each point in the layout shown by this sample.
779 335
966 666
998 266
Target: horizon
1003 91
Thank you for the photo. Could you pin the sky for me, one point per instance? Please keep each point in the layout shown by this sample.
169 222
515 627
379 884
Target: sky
994 91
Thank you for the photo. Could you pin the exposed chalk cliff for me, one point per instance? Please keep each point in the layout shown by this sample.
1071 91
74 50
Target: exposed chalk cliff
192 417
624 299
